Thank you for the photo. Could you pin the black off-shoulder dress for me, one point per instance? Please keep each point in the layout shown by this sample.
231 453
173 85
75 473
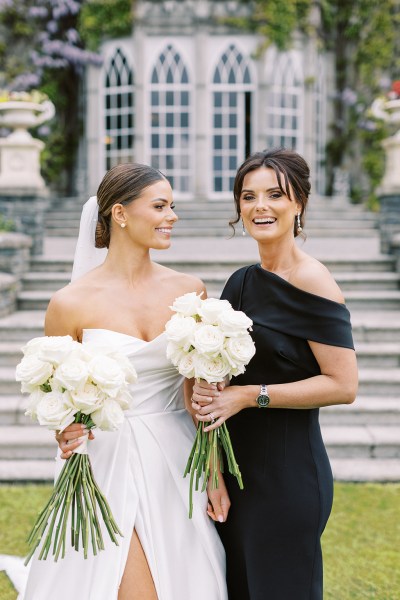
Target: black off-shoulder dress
272 535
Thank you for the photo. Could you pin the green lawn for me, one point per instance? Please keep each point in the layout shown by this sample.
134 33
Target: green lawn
361 543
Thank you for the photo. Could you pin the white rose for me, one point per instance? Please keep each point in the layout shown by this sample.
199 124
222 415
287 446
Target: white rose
186 365
234 322
107 374
239 350
208 339
175 353
211 369
212 308
55 410
33 401
87 400
32 372
187 305
181 330
71 374
33 346
55 349
109 417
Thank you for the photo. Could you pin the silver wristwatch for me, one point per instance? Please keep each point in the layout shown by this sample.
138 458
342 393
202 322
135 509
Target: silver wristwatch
263 398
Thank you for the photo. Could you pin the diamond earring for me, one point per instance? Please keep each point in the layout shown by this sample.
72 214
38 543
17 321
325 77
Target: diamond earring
298 223
123 225
243 229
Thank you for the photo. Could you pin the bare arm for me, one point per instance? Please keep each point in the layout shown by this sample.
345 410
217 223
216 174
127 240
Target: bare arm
337 383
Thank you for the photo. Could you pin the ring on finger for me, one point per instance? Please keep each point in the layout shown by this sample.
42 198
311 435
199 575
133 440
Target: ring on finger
212 416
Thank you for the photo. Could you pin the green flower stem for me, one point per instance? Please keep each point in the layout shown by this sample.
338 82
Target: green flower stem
206 456
73 510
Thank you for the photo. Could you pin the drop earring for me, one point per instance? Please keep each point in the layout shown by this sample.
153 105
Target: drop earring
298 222
123 225
243 229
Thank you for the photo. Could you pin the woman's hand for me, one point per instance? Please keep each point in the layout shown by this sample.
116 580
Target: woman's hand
71 438
214 404
218 500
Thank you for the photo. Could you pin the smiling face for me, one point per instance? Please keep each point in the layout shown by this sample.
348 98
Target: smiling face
148 219
267 213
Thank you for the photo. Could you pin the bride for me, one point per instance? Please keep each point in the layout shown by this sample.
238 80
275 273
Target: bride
125 302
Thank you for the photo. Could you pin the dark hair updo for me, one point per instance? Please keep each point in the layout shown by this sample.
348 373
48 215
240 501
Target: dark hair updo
121 185
292 166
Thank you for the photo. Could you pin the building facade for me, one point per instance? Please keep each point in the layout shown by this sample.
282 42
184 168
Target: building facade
192 96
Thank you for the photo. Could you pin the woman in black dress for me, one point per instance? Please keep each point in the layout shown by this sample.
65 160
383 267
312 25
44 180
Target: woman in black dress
304 359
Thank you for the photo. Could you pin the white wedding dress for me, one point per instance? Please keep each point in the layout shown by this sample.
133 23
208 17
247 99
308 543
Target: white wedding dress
140 470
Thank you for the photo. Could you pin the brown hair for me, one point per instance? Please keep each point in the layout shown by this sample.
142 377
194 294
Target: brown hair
292 166
121 185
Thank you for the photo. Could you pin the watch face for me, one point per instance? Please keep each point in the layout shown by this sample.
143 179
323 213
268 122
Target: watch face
262 400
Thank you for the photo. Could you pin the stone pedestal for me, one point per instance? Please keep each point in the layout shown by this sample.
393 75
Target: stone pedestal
26 209
389 223
20 166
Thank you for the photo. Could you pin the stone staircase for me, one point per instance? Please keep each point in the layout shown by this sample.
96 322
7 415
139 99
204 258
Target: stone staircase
363 439
327 217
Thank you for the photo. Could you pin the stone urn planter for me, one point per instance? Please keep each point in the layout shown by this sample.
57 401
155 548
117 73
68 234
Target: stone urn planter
20 152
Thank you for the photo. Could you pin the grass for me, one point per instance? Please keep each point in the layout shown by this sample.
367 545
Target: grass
361 543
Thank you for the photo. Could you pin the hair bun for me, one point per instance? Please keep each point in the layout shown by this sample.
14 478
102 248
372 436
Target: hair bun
102 233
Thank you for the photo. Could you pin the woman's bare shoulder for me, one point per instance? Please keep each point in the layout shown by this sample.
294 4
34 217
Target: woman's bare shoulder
312 276
184 282
65 307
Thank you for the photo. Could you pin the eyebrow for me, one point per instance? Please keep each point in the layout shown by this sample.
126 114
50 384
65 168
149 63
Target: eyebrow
274 189
160 200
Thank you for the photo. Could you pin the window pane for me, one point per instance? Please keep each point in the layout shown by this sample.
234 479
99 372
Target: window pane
170 119
155 141
218 184
217 142
185 98
185 119
217 120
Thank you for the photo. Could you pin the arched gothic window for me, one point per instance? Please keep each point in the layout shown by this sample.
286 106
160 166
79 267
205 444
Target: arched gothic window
231 130
119 111
284 110
171 116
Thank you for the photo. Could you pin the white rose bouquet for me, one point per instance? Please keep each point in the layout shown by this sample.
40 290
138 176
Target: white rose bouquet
69 382
208 339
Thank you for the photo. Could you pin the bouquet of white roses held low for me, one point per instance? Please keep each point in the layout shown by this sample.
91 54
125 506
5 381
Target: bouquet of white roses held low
69 382
208 339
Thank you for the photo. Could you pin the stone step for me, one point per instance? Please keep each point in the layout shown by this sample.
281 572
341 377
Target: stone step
27 443
366 410
363 441
10 353
372 382
376 326
21 326
40 281
352 469
373 299
379 382
361 470
27 471
215 232
378 355
193 265
368 327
